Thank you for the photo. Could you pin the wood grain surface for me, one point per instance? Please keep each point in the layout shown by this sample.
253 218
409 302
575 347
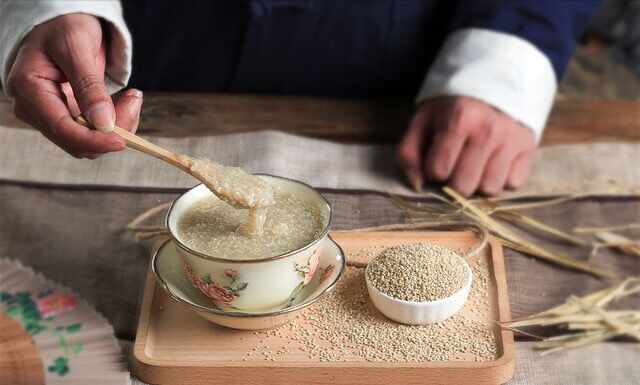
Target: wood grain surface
20 362
193 114
174 345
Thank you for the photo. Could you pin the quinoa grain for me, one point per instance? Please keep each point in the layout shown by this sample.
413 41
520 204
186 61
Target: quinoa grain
418 272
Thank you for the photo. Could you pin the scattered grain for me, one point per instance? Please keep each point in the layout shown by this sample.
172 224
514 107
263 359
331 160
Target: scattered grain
418 272
346 327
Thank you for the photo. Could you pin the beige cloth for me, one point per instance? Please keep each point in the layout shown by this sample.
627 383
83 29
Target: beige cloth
604 363
320 163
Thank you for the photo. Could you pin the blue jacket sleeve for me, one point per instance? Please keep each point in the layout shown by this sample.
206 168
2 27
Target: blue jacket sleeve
552 26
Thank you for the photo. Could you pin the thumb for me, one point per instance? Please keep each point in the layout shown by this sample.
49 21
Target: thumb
87 83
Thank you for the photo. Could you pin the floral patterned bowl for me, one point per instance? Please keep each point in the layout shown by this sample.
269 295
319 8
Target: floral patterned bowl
171 276
257 284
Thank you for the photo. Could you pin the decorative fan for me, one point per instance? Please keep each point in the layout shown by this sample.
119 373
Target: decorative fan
49 335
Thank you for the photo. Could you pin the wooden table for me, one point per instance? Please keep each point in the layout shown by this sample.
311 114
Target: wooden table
205 114
181 114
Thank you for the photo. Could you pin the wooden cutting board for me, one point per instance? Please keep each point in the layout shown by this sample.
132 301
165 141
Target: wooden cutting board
175 346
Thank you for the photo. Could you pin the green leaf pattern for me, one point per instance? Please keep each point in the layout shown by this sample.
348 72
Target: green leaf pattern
60 366
21 306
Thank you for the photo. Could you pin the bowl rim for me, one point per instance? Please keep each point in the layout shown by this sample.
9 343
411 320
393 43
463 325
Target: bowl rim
435 302
320 236
239 314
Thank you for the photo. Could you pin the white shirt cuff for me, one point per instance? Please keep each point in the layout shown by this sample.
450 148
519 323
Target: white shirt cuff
503 70
18 18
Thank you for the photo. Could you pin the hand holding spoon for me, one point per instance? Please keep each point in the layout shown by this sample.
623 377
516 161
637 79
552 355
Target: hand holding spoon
231 184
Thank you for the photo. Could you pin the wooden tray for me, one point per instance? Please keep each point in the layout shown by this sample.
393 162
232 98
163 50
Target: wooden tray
175 346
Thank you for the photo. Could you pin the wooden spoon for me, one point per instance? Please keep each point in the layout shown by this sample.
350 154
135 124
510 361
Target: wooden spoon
145 146
172 158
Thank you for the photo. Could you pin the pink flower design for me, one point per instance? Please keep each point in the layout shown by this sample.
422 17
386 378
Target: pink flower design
312 266
231 273
55 303
217 293
212 290
326 273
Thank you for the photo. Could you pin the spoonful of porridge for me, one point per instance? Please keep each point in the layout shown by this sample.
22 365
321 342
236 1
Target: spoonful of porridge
233 185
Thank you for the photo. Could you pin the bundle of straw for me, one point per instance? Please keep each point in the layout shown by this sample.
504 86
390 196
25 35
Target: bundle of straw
587 319
486 213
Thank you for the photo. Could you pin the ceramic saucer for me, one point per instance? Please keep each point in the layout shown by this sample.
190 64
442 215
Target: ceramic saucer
172 278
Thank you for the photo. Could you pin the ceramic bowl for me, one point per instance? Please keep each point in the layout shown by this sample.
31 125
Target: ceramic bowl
257 284
170 275
420 313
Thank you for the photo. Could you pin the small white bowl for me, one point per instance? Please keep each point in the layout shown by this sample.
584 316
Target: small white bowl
420 313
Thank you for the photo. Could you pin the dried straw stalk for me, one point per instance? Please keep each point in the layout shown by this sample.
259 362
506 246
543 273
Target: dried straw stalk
430 225
516 242
518 218
142 232
588 318
596 187
629 226
616 241
483 212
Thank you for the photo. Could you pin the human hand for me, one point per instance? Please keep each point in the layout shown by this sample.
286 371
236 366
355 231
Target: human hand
59 74
468 144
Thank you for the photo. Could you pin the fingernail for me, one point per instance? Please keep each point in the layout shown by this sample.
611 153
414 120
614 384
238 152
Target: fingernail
415 179
417 184
102 117
116 144
517 182
134 106
491 191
